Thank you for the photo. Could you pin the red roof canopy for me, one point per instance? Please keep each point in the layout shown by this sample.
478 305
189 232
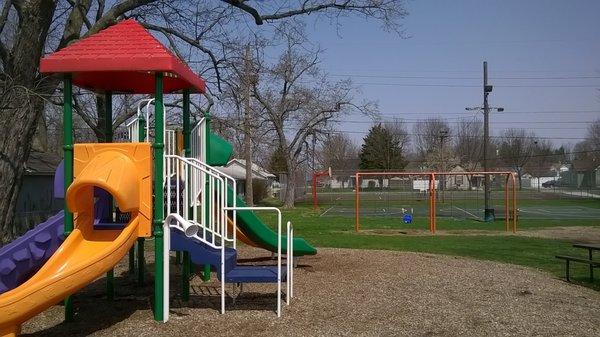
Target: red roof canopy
122 58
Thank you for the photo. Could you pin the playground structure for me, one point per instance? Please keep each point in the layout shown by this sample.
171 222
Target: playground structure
430 188
174 194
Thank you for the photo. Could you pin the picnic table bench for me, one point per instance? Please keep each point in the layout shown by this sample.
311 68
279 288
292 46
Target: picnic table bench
589 261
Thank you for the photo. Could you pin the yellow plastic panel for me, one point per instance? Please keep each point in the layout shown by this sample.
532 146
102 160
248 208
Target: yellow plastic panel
122 169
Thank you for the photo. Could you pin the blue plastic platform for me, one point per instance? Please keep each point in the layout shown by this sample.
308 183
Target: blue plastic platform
201 253
254 274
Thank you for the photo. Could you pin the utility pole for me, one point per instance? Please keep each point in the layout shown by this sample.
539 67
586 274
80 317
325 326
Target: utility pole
247 129
488 212
487 89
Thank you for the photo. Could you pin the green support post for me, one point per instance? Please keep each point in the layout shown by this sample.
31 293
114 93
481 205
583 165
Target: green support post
68 174
108 138
185 277
110 285
185 271
141 261
131 269
159 125
206 267
140 241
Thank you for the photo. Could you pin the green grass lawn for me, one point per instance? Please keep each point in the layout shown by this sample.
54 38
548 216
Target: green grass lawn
335 231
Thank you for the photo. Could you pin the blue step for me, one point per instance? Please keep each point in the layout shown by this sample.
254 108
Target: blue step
254 274
201 253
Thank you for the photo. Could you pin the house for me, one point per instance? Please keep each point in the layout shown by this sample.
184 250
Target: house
462 181
36 202
536 177
236 168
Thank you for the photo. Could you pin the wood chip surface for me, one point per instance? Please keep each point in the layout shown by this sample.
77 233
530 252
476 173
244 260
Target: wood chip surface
344 292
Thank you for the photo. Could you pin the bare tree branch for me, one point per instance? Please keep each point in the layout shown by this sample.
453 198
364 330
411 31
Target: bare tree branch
192 42
100 10
250 10
75 21
4 14
111 16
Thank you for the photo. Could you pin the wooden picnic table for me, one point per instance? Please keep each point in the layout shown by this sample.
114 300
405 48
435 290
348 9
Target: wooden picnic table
590 247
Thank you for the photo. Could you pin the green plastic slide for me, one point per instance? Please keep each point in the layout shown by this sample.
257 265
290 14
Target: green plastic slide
262 235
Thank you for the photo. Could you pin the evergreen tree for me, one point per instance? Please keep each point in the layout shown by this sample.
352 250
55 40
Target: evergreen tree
381 150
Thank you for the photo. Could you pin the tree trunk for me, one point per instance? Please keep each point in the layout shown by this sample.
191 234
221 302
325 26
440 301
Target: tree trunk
290 190
247 129
21 106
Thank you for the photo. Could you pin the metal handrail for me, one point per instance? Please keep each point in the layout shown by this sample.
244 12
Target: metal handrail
173 163
234 196
278 211
290 266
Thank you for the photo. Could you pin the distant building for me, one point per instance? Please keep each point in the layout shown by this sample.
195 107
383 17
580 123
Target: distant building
36 202
236 168
463 181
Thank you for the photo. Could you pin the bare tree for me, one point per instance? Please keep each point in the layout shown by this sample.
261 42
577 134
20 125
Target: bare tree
299 101
430 137
397 128
195 31
468 145
542 157
427 137
589 148
339 152
516 148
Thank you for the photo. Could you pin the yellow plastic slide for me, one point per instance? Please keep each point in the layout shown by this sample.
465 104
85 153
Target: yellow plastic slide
124 171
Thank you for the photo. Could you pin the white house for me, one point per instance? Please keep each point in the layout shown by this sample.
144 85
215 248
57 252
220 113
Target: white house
236 168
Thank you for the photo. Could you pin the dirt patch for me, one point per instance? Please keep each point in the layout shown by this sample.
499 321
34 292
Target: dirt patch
584 234
342 292
581 234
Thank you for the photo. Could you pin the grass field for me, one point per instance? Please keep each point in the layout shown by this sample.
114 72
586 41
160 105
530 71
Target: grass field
338 231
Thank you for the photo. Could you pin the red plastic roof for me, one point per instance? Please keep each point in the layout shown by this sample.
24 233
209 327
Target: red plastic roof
122 58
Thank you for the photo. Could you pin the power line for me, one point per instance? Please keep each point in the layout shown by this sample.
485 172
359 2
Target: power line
456 122
447 85
451 136
501 113
469 78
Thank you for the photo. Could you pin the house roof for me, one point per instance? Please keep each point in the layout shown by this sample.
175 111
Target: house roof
122 58
42 163
237 169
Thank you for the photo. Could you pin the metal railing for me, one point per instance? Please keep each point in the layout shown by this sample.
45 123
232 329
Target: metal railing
275 209
230 181
185 181
198 138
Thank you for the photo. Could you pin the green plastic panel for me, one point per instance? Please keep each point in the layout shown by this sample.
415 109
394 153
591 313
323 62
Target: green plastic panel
220 151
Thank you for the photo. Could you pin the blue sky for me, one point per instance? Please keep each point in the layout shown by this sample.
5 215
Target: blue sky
558 41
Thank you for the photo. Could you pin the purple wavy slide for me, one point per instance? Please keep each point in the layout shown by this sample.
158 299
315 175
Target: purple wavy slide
24 256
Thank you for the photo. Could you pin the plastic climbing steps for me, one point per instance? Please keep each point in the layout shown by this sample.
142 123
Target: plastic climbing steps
202 254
